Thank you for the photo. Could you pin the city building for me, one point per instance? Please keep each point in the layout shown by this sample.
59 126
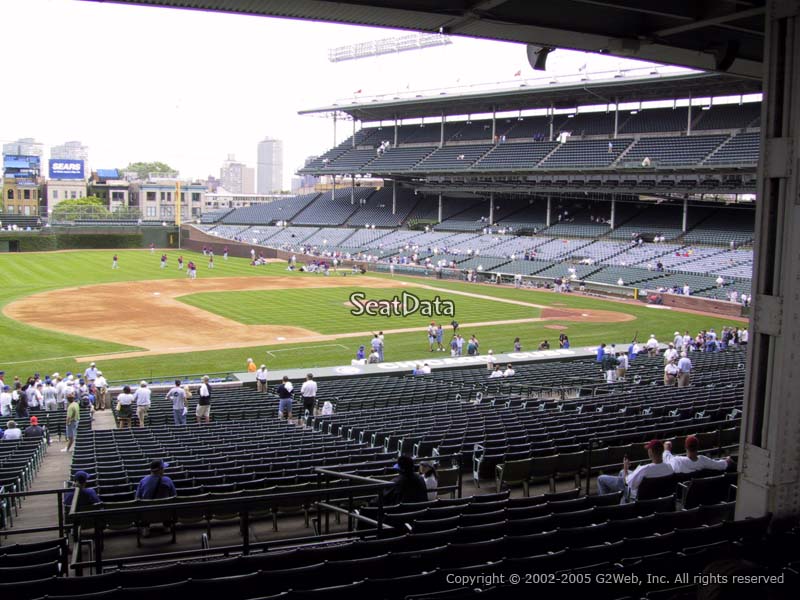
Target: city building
270 166
21 184
237 177
109 186
157 200
66 174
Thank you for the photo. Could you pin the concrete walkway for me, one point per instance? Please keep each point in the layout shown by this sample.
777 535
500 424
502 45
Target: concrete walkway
42 511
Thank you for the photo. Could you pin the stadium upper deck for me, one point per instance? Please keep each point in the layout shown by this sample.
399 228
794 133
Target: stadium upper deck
650 147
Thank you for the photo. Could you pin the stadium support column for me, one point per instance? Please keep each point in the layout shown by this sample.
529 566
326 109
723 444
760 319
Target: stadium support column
770 452
549 203
441 133
685 214
395 131
440 208
354 132
334 130
689 116
491 208
552 110
394 196
613 210
616 117
352 188
494 123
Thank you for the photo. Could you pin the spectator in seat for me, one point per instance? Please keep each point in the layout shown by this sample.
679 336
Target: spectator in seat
509 371
155 486
408 486
12 432
628 482
693 461
86 495
251 366
428 472
34 430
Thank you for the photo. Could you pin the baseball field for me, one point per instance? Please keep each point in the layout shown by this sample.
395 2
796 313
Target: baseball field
62 310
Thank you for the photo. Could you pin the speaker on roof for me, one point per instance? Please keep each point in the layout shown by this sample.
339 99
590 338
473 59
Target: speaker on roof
537 56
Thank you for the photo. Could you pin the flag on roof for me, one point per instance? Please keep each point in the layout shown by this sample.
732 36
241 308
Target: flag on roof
518 73
357 91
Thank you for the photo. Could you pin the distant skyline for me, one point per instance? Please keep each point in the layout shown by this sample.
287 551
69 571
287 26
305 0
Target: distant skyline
188 88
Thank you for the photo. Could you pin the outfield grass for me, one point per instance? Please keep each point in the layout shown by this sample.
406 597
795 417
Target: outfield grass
26 349
328 311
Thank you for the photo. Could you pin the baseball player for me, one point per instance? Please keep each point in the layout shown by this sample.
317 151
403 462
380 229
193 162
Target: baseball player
180 263
191 270
163 261
115 262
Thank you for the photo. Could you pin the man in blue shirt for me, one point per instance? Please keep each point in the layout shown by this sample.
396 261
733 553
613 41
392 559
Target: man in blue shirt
156 485
86 496
601 352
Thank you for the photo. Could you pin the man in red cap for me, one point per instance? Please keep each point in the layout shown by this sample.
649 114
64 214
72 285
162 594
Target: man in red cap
34 430
609 484
693 461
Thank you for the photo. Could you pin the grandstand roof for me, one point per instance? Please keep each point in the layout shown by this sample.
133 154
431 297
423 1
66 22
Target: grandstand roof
560 95
701 34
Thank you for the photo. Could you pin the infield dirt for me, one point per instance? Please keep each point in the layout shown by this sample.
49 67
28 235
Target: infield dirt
146 313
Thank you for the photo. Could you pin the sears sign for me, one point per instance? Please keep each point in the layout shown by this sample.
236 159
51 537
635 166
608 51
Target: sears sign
66 169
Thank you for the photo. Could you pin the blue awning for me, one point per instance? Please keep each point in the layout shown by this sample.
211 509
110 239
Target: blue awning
16 164
107 173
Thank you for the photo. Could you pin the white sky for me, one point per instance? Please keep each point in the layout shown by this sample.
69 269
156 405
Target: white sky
188 88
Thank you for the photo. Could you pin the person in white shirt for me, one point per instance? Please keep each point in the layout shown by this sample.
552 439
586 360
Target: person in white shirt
12 432
101 385
309 393
622 366
509 371
91 373
35 397
693 461
490 361
609 484
744 336
5 401
684 371
496 373
671 373
327 408
428 473
261 379
678 340
142 398
720 281
61 390
652 345
426 369
670 354
49 397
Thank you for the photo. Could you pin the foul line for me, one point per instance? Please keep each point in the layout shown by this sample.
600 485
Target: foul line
270 352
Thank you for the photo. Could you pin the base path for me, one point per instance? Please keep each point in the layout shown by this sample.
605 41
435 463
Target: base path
147 314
